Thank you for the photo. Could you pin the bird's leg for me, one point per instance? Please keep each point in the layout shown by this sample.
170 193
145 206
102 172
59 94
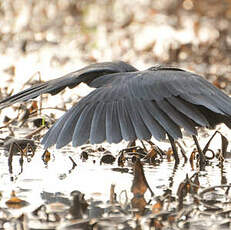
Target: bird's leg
174 149
144 147
182 151
156 148
131 144
201 154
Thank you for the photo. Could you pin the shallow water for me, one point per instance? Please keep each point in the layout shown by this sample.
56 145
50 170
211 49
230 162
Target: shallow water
41 183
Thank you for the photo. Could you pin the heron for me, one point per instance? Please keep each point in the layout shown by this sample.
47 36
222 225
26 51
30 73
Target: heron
129 104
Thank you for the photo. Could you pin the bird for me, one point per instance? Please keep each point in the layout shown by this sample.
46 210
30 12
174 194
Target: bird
129 104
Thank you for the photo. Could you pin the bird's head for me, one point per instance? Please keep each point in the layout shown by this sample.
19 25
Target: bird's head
162 67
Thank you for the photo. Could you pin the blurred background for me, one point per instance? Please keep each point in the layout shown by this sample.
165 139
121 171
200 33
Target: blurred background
45 39
59 36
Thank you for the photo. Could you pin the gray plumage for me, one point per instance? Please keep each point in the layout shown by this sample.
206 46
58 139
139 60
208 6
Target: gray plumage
130 104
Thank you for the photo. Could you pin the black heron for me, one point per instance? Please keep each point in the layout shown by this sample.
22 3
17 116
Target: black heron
130 104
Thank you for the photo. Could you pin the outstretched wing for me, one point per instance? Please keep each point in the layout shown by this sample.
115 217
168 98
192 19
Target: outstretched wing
139 105
86 75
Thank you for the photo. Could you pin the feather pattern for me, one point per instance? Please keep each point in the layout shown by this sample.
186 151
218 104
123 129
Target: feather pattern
141 130
153 126
113 131
130 104
188 109
52 135
98 126
80 117
86 75
179 118
127 128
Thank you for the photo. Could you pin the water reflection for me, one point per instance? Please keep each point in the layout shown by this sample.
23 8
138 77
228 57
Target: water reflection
147 190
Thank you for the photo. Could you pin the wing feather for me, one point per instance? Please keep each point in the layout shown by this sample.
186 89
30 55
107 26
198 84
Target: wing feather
141 130
67 132
127 128
98 126
51 136
113 131
204 100
163 119
154 127
179 118
86 75
188 109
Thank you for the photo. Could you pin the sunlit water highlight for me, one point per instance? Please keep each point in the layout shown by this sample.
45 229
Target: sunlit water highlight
93 179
